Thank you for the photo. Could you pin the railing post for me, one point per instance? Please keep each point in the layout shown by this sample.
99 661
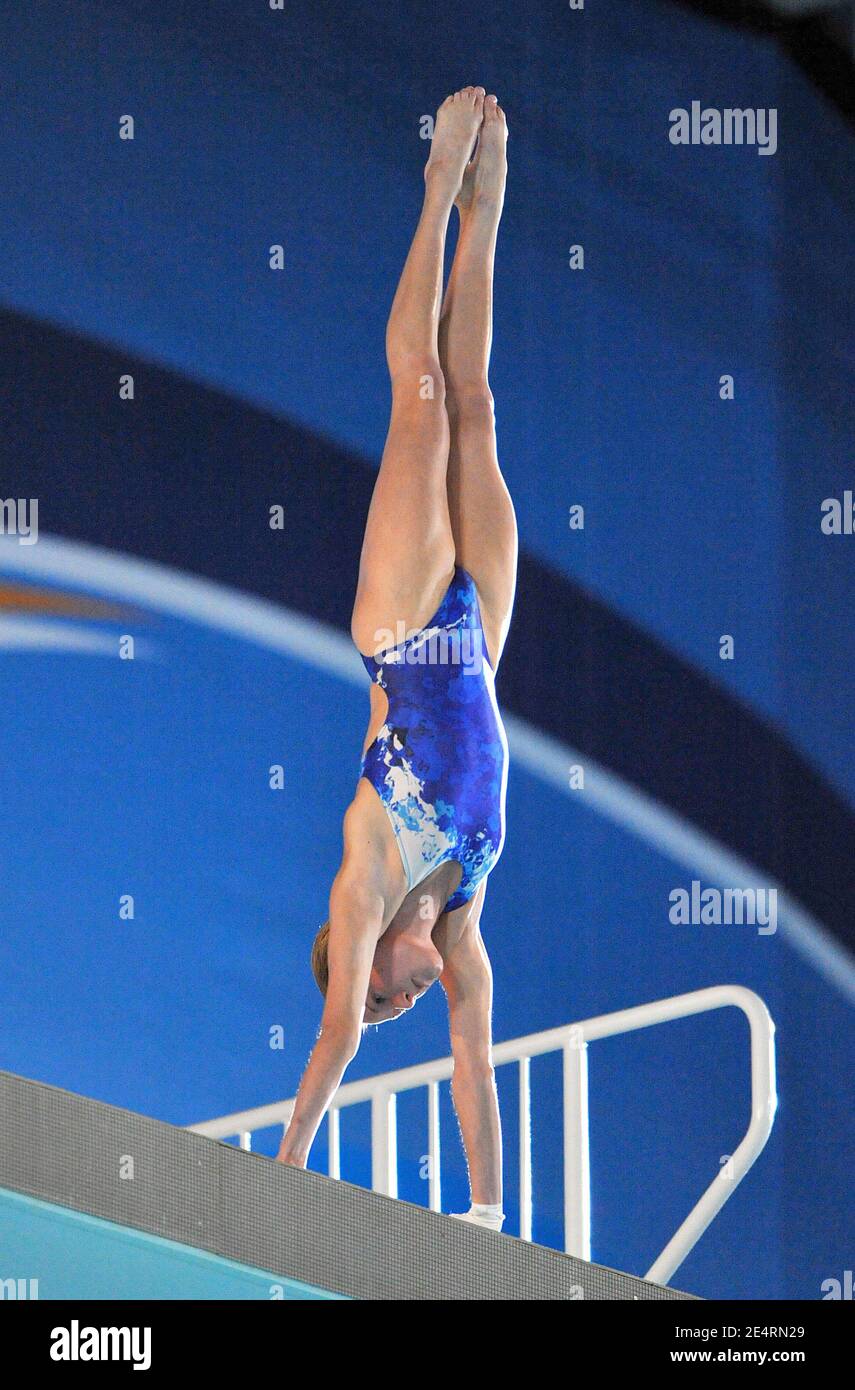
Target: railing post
577 1171
384 1143
764 1101
434 1179
525 1148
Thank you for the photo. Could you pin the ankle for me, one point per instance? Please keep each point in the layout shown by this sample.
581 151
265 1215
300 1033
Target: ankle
485 206
441 181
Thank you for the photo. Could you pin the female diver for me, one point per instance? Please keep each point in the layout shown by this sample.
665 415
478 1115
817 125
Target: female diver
433 604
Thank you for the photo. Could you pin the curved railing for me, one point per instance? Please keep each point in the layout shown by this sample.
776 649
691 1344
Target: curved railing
572 1041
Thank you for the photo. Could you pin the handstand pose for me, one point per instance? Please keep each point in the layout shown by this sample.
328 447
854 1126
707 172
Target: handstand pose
433 604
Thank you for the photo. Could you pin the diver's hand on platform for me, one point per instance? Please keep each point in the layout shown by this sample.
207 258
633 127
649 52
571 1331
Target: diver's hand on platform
491 1217
293 1160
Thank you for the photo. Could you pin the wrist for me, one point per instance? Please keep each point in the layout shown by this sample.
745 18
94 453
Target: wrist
291 1158
293 1151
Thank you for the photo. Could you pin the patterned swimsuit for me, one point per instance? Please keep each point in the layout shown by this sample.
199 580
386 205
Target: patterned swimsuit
440 762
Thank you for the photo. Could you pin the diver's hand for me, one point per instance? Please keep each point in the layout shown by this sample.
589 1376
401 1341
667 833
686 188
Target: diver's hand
331 1054
290 1156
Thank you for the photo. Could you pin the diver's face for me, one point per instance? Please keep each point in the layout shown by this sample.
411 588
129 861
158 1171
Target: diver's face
403 971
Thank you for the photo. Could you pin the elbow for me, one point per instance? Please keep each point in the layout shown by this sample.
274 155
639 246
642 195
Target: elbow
343 1042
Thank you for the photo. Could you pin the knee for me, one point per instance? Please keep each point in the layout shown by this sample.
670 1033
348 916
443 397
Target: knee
470 398
417 378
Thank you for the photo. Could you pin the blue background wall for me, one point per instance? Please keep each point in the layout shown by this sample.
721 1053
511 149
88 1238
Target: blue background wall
255 127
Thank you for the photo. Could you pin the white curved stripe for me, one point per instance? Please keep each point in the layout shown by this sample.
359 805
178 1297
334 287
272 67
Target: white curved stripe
680 840
272 625
95 570
36 634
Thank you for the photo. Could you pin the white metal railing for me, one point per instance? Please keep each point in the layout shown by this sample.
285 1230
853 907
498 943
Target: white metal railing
572 1040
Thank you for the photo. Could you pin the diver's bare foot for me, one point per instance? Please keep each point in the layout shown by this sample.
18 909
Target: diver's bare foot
454 135
484 178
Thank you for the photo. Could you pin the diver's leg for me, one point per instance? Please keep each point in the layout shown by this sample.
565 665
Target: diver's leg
408 548
482 515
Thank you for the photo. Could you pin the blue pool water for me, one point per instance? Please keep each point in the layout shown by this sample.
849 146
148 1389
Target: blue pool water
50 1252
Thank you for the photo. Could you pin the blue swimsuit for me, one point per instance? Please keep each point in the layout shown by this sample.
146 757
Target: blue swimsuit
440 762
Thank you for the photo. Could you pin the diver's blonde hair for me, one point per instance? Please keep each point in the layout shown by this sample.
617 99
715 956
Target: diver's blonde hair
320 958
